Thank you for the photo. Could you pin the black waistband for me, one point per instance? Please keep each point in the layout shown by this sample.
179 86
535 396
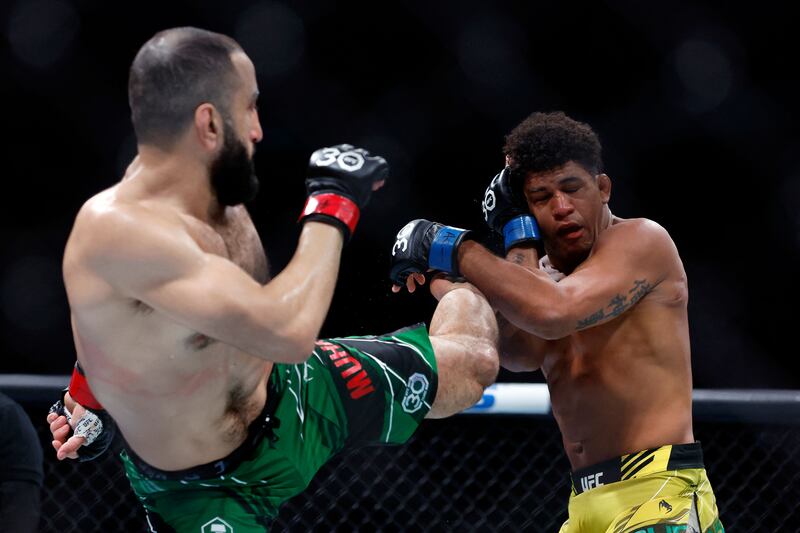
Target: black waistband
661 459
261 427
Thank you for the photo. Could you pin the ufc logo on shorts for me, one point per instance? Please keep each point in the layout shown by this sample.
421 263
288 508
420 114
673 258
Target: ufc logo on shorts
401 244
349 161
591 481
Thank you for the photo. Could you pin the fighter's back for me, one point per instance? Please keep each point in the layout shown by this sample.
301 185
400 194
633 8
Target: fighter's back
179 397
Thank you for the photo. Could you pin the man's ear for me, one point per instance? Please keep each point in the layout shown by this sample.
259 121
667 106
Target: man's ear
604 184
208 126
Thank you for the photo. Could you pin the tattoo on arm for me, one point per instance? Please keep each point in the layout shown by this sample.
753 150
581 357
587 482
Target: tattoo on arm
517 258
617 305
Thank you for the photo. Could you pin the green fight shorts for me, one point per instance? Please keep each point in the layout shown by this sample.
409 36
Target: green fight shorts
660 490
351 391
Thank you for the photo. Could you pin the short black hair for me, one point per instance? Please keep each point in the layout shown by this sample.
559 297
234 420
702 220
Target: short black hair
546 141
173 73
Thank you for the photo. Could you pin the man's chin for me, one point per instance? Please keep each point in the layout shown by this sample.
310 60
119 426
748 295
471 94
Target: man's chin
241 196
569 253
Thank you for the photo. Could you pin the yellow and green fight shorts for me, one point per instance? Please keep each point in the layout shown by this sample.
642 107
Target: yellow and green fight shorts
660 490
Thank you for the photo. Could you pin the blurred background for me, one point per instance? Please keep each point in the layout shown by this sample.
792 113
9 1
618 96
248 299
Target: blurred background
696 107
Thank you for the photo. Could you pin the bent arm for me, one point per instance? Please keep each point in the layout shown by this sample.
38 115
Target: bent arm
628 261
151 258
519 350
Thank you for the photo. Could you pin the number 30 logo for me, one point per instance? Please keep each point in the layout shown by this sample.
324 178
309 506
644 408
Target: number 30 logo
349 161
401 244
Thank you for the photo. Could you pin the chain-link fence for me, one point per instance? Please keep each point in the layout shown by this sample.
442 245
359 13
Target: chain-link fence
466 473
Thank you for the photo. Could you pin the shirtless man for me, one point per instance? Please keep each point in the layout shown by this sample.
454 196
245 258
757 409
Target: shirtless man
212 372
603 314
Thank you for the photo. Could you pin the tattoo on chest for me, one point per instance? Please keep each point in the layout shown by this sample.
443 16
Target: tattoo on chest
617 305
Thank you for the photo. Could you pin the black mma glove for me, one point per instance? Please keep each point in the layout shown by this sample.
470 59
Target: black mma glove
422 245
339 185
96 426
504 213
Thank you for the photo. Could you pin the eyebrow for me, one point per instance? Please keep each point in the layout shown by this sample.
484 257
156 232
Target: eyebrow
562 181
255 96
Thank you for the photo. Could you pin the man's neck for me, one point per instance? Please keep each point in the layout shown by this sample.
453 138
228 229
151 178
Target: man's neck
177 177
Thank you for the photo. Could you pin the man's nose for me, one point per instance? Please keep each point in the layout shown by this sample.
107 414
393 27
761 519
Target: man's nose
562 205
256 133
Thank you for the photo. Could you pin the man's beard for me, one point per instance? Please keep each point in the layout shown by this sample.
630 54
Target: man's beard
233 175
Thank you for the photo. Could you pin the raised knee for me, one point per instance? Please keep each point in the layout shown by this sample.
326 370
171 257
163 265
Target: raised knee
486 365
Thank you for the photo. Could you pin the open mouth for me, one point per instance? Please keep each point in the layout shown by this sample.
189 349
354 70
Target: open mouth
570 231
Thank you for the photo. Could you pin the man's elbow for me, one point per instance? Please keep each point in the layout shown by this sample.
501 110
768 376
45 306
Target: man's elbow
293 343
548 324
297 342
519 364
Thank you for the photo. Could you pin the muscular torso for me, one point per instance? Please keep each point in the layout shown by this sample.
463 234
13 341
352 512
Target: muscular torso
179 398
624 385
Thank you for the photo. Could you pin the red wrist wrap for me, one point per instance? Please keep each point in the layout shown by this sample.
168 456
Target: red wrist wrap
80 391
334 205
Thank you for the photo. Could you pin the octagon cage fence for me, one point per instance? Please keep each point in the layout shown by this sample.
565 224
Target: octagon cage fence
499 466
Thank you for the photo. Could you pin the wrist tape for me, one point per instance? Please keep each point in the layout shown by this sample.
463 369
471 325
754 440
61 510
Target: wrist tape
520 229
443 254
333 205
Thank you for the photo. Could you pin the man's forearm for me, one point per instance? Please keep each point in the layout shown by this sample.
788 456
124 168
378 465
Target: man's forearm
526 296
526 256
305 289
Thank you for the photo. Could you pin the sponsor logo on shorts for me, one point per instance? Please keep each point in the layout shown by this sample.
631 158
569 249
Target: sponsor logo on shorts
416 392
216 525
591 481
358 382
664 505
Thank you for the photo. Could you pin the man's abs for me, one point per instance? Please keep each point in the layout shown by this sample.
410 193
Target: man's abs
597 423
179 399
621 387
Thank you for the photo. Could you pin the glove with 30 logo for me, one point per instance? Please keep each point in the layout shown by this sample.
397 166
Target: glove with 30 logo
422 245
505 214
340 182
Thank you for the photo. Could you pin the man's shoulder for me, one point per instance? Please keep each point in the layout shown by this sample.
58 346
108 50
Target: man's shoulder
106 217
638 223
638 232
112 233
647 246
642 242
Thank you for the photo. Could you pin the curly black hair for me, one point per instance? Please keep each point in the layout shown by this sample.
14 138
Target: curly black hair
546 141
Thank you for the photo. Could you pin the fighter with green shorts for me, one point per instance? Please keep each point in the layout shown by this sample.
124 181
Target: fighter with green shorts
184 336
352 391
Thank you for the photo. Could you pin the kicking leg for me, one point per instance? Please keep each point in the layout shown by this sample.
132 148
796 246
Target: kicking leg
464 336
